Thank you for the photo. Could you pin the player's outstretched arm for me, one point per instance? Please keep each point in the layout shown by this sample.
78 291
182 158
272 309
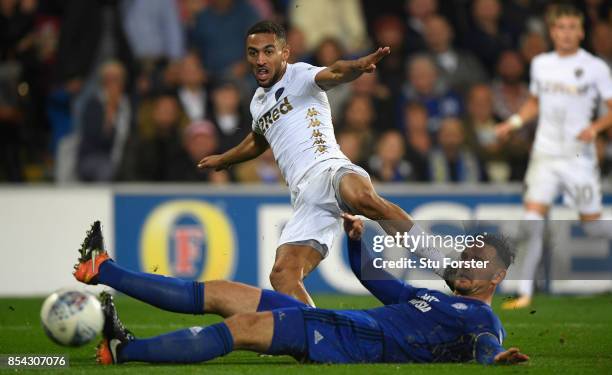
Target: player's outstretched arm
343 71
251 147
527 113
384 286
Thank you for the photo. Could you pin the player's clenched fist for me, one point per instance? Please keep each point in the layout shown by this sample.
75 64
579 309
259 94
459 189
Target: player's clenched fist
214 162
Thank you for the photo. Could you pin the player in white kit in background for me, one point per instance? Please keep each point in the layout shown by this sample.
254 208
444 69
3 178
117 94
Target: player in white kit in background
291 115
566 87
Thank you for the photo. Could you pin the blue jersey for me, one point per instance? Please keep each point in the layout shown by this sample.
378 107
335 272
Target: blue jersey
429 326
424 325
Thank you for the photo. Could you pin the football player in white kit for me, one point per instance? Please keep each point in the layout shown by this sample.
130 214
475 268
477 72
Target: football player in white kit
291 114
566 87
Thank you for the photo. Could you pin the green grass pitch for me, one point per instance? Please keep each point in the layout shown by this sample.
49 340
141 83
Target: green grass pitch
561 334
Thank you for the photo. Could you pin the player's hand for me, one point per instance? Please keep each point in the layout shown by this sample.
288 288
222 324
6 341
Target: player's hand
503 130
587 135
353 226
367 64
214 162
510 357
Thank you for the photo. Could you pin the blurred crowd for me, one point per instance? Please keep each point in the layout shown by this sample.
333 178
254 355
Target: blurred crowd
140 90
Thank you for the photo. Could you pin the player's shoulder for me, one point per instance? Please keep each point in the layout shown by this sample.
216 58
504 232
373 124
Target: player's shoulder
592 60
544 58
256 99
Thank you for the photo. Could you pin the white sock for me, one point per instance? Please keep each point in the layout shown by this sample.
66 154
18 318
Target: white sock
601 228
431 253
534 225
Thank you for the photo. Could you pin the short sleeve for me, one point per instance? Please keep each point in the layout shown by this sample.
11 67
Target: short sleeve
534 85
603 80
304 79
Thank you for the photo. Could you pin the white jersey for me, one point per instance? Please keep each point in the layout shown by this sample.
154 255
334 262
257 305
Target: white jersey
569 89
295 118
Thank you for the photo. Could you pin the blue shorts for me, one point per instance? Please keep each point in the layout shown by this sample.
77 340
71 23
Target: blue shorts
327 336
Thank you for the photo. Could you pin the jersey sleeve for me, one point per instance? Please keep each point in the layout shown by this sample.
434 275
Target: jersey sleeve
603 80
304 78
534 86
486 347
384 286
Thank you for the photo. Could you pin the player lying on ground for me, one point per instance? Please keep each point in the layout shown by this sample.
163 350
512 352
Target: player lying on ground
566 87
291 114
414 325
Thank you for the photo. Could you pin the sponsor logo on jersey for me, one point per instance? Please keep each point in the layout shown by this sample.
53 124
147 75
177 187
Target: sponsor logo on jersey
553 87
190 239
270 117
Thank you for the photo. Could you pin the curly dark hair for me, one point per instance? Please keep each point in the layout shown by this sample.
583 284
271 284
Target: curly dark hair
503 246
269 27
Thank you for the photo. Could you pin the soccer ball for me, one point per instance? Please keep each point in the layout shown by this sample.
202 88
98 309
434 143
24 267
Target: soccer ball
71 317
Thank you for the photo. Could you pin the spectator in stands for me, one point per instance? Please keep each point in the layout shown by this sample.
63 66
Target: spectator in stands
418 140
230 117
388 164
479 125
200 140
16 28
489 35
261 170
425 87
532 44
106 120
601 41
297 45
328 52
219 36
156 37
11 123
452 160
509 88
381 98
389 31
359 117
192 91
341 20
419 12
460 69
91 34
350 145
157 157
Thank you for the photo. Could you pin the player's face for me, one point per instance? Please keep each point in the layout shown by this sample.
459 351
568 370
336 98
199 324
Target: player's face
566 34
267 57
470 281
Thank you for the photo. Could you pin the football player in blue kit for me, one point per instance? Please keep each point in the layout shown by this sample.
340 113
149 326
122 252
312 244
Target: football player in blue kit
413 325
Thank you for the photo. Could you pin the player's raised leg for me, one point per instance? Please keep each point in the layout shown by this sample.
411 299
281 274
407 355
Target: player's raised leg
292 264
358 194
221 297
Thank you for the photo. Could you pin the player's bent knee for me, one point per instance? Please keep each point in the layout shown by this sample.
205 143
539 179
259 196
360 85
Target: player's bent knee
285 279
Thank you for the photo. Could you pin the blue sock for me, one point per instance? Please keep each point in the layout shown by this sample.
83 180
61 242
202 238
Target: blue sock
271 300
192 345
167 293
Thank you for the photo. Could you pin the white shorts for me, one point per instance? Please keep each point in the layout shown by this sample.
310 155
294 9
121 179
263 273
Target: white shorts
576 178
317 205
